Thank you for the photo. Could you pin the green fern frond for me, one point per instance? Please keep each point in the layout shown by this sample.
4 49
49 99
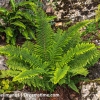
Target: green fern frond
9 73
73 32
16 17
83 47
82 60
13 4
10 50
78 50
56 49
27 3
32 59
26 34
19 23
72 85
29 45
16 64
22 54
31 33
75 28
78 71
28 73
27 15
3 10
44 37
60 73
9 31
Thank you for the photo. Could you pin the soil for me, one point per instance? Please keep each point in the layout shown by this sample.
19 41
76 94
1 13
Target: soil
65 93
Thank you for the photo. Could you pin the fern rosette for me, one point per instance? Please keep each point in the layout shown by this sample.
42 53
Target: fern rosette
55 57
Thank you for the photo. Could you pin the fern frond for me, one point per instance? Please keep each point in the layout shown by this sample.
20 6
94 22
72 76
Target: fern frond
10 50
29 45
78 50
32 5
15 17
78 71
27 15
13 4
82 60
56 49
17 64
74 33
38 82
28 73
9 73
19 24
72 85
75 28
79 63
9 31
22 54
44 34
26 34
59 73
32 59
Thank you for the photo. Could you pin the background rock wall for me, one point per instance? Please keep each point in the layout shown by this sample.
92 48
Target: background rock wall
74 10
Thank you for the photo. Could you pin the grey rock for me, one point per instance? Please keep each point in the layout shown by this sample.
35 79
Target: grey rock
4 3
90 91
75 10
2 63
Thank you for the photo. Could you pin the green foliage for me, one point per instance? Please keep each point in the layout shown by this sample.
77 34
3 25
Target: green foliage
4 85
18 20
92 30
7 86
54 58
98 13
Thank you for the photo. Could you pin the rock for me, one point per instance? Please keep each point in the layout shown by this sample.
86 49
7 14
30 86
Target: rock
4 3
90 90
2 63
73 9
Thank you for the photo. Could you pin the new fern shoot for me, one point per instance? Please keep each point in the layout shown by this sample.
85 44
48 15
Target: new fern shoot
54 59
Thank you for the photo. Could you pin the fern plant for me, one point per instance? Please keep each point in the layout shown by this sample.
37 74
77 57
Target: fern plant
18 20
54 58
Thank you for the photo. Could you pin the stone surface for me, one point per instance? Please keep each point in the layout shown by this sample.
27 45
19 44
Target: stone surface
2 63
90 90
4 3
74 10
